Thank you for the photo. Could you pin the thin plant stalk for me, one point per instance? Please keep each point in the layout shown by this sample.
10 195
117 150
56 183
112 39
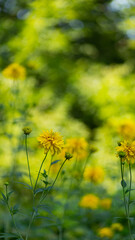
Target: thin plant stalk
33 215
53 181
130 185
126 207
40 171
12 216
85 164
48 174
50 165
28 161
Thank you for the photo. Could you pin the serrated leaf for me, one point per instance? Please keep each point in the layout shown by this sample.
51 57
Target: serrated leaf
55 162
123 183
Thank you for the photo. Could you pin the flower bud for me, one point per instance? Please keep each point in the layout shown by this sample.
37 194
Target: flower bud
68 155
27 130
6 183
121 154
119 143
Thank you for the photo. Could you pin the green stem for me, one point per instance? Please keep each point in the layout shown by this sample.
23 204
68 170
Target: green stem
33 215
28 160
39 172
130 185
32 218
12 216
85 164
53 182
126 207
48 175
50 165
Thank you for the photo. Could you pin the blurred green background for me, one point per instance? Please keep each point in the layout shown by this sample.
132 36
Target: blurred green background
80 81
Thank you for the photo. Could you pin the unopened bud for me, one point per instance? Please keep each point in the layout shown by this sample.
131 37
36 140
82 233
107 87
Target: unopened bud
27 130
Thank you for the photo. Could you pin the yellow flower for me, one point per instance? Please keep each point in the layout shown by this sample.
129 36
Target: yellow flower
89 201
94 174
14 71
106 203
129 149
77 147
105 232
117 227
127 129
51 141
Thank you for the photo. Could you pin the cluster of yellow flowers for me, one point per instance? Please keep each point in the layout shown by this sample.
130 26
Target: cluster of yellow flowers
14 71
94 174
93 202
126 151
109 231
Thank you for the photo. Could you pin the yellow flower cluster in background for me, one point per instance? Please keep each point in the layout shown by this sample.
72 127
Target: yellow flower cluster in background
93 202
51 141
89 201
127 129
128 148
106 203
117 227
77 147
14 71
108 232
94 174
105 232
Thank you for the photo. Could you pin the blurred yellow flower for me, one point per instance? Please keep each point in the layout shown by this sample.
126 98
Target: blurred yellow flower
117 227
127 129
51 141
77 147
106 203
105 232
14 71
89 201
129 149
94 174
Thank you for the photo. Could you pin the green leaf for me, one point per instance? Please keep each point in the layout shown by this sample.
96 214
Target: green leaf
25 184
8 235
4 197
9 194
131 202
39 190
128 190
44 207
55 162
44 174
123 183
14 209
45 182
